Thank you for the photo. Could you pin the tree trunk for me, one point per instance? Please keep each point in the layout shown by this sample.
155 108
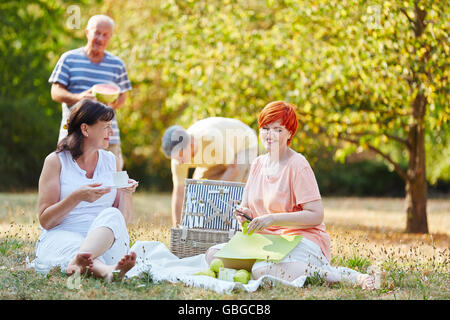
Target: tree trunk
416 183
416 207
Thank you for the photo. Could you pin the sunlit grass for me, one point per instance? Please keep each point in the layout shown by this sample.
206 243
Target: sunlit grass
364 232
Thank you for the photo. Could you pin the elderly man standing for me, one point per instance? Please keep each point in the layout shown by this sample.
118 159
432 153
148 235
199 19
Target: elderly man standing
219 148
78 70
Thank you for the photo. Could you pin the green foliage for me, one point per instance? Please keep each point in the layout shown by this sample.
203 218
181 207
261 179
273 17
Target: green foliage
348 66
354 262
438 152
29 119
315 280
376 68
358 263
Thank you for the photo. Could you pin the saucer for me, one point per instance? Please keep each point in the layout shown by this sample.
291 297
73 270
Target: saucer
120 186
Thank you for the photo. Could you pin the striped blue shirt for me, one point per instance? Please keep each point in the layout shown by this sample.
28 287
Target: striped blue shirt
77 73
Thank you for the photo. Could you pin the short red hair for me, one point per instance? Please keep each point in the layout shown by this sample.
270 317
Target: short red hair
277 110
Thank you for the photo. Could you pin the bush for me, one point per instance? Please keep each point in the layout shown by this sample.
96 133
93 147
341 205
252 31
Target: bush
365 178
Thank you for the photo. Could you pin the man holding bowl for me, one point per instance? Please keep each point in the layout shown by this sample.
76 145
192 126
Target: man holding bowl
79 70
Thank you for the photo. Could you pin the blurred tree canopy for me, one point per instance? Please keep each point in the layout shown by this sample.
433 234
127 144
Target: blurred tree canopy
344 63
31 35
354 68
366 75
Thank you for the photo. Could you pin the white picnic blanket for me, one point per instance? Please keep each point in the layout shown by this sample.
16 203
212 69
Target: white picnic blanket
156 259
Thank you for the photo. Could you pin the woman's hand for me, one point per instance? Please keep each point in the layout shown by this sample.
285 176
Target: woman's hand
260 223
124 200
91 192
239 217
131 189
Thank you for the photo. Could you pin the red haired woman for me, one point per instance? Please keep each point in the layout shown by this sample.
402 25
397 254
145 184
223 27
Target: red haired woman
283 198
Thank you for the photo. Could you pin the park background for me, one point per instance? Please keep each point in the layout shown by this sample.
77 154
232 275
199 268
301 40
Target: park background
370 79
352 67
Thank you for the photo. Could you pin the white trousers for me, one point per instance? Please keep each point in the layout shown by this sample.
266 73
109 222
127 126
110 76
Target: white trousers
59 247
305 259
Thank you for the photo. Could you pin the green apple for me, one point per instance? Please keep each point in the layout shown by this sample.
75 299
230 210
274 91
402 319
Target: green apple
207 272
242 276
226 274
216 264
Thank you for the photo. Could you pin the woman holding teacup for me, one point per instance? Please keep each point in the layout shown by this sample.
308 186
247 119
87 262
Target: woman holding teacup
84 223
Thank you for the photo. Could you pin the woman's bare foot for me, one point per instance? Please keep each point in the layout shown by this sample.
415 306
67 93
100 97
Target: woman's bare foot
122 267
366 281
79 264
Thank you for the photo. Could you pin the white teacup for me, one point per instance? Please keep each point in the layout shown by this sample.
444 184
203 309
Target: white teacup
120 178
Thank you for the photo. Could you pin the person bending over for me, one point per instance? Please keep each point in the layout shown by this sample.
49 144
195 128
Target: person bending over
218 148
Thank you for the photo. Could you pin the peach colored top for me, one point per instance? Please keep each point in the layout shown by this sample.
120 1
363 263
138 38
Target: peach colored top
285 192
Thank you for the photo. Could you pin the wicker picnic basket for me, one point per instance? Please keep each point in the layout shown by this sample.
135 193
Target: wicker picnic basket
207 216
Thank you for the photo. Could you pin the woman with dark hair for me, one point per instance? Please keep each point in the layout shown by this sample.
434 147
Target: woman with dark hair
283 198
84 224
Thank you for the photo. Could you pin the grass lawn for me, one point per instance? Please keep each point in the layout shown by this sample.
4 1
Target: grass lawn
363 231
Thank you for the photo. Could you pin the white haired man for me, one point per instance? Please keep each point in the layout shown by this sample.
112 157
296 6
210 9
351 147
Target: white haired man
218 148
78 70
